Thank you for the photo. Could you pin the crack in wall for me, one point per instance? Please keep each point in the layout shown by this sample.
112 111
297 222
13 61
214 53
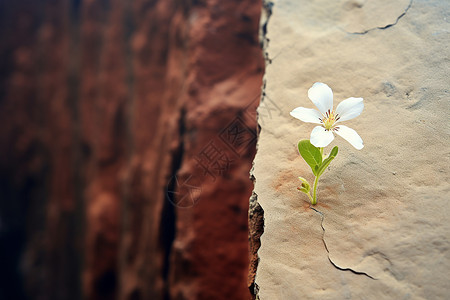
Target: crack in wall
256 212
386 26
256 229
328 251
168 214
266 14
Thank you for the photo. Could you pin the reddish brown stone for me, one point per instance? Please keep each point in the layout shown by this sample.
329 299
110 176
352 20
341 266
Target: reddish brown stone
256 229
116 115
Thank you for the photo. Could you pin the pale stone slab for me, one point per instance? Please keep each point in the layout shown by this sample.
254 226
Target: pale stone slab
386 209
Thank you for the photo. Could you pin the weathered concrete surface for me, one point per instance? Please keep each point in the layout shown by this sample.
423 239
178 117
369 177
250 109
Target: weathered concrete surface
385 209
108 108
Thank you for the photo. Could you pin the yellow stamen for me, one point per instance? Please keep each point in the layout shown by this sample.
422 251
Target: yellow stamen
329 120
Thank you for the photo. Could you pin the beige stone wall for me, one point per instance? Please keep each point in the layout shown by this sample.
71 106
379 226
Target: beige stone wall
381 227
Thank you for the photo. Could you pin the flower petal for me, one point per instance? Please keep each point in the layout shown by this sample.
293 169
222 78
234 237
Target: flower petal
322 96
309 115
349 108
350 136
321 137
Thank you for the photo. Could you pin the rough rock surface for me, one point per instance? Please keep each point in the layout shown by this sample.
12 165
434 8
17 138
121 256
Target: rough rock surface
128 131
381 227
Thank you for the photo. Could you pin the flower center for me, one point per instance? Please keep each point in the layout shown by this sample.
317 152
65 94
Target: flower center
329 120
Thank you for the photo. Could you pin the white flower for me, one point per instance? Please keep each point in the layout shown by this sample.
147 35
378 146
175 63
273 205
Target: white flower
321 136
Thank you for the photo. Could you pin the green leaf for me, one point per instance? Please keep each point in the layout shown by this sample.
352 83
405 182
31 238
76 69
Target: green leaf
303 190
306 187
334 151
326 162
310 154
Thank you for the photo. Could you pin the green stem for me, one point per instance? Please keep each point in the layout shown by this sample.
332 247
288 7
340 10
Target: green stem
316 182
309 196
314 199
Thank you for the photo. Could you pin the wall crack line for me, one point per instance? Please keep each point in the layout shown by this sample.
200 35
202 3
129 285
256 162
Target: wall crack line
267 6
386 26
328 251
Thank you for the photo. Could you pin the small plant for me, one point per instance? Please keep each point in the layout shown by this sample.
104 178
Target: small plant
321 136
